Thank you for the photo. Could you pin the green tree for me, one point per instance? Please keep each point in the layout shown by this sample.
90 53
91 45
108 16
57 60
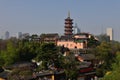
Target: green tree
9 55
27 50
115 73
48 53
92 42
19 51
2 62
70 66
103 38
34 37
104 54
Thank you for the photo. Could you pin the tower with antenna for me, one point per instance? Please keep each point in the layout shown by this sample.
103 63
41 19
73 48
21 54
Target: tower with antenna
76 30
68 25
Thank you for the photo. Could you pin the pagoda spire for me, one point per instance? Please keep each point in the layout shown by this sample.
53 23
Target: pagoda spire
69 14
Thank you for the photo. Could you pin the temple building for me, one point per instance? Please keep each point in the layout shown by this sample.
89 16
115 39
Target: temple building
76 41
70 40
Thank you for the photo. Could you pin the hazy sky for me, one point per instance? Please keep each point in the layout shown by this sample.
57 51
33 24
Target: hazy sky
46 16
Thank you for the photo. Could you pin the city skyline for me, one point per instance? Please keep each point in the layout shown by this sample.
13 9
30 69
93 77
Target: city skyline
44 16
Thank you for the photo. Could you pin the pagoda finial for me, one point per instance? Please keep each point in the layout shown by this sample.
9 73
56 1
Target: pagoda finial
68 13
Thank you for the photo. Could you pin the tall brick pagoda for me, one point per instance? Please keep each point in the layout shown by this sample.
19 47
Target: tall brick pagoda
68 26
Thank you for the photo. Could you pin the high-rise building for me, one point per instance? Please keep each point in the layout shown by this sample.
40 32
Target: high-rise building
76 30
20 35
7 35
109 33
68 25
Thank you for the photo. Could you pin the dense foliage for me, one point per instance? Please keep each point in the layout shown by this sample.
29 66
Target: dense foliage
12 51
114 74
22 51
70 65
105 54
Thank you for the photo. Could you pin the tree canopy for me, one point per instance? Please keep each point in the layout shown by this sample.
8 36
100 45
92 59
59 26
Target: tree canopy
22 51
114 74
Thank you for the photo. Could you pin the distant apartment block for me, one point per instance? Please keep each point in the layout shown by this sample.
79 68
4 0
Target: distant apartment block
7 35
19 35
109 33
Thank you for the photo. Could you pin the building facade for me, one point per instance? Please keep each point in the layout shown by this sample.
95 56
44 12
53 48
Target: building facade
49 38
7 35
77 41
109 33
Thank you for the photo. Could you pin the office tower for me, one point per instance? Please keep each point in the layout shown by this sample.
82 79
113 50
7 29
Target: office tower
19 35
7 35
76 30
109 33
68 25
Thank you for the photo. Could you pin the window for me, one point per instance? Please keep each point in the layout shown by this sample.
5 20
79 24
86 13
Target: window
70 45
67 45
75 47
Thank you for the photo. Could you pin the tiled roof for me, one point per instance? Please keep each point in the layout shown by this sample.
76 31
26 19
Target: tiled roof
87 56
66 38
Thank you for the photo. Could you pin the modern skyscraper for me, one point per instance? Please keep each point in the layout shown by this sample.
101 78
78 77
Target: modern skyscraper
68 25
20 35
109 33
7 35
76 30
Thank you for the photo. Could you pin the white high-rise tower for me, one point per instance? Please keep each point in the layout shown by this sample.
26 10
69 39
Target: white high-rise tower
109 33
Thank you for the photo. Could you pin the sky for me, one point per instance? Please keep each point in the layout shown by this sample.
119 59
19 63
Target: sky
47 16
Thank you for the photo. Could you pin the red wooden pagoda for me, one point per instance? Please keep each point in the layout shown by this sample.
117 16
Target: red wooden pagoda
68 25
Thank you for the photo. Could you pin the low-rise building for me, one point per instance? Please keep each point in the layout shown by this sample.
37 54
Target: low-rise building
77 41
51 37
